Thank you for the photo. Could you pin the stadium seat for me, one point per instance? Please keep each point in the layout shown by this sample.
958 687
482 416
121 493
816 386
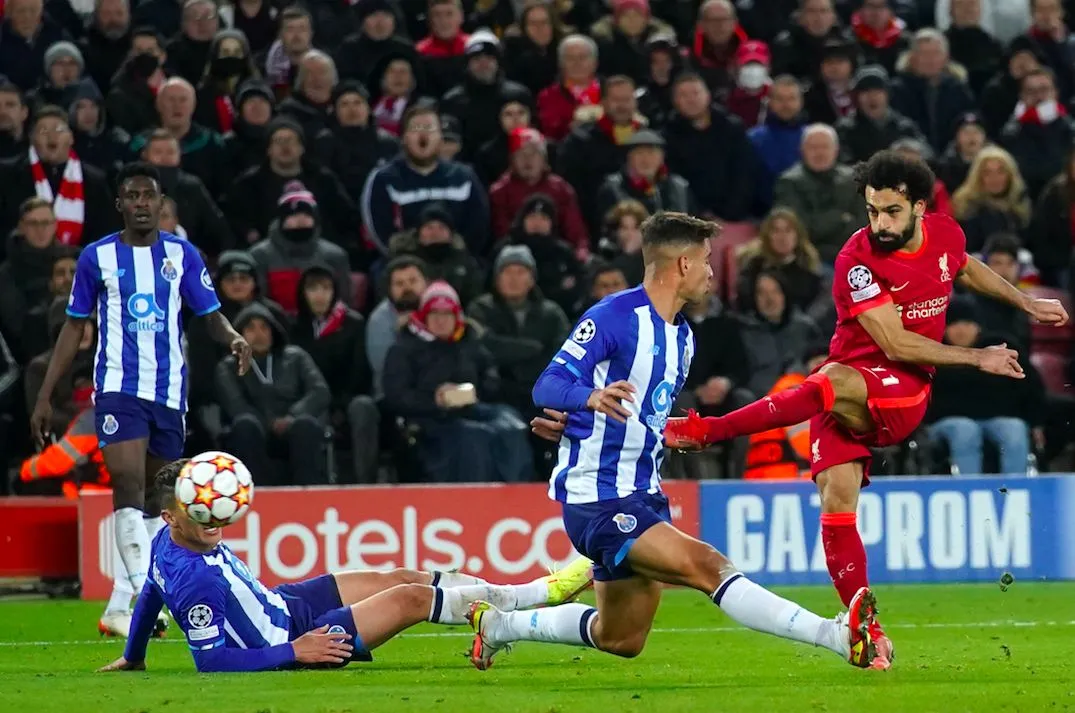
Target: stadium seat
722 258
359 291
1053 369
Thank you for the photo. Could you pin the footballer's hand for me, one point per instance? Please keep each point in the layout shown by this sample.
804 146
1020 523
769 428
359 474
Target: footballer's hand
609 400
241 350
551 428
686 433
319 646
41 422
1049 312
1001 361
122 664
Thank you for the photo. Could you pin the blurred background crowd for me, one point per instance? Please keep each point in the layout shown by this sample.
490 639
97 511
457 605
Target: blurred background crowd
406 204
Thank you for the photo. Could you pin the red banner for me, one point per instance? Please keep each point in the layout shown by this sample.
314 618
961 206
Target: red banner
505 533
38 537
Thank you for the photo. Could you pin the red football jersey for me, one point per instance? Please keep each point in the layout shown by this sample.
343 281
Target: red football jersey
919 283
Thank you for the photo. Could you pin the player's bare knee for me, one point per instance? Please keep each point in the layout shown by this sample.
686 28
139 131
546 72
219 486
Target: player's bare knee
406 576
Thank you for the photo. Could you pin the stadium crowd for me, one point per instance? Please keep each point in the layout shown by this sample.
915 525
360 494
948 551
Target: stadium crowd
407 204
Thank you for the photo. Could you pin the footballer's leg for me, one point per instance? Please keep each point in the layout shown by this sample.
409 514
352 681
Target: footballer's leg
125 461
619 624
665 554
556 588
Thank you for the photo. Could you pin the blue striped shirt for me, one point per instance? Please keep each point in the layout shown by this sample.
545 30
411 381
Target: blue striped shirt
138 294
621 338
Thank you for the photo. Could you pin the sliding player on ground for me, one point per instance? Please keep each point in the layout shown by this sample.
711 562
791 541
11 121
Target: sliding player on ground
893 283
233 622
617 376
137 281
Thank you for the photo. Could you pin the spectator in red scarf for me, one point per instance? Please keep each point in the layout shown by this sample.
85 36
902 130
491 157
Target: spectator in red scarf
646 179
1054 43
595 149
296 39
442 53
880 34
578 86
528 174
717 37
230 64
397 82
747 100
1039 133
829 99
334 335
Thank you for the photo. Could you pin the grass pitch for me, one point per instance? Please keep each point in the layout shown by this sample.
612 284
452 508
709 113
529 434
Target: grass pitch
959 648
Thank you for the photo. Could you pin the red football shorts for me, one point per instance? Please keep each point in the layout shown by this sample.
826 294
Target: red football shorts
897 400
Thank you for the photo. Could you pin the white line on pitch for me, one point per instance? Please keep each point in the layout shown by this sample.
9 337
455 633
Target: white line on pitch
692 630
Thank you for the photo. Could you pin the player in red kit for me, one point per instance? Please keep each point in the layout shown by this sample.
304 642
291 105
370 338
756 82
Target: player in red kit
893 281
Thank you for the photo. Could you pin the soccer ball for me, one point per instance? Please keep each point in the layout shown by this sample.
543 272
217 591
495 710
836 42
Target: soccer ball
214 489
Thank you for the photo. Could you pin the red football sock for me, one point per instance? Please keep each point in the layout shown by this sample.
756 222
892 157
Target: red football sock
786 408
844 553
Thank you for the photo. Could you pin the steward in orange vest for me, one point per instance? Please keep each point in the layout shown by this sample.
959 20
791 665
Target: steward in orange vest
780 453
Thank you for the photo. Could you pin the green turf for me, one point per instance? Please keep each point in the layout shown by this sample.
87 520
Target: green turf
960 648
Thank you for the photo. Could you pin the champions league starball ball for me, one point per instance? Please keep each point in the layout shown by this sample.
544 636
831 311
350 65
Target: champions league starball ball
215 489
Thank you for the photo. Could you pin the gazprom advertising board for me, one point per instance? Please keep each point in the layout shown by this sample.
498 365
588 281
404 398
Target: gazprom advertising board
914 529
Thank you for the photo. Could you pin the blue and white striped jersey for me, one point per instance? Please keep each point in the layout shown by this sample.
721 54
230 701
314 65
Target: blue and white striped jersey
139 293
214 597
620 338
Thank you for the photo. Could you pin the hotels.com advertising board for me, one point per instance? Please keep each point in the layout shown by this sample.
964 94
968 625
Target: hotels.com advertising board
504 533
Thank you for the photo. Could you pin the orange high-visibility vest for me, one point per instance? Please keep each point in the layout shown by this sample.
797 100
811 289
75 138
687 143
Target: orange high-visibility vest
780 453
61 459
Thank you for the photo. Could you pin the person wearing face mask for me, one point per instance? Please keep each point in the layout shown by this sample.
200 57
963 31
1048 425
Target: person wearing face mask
749 96
229 65
245 145
132 99
443 251
293 244
107 41
195 208
1039 132
419 170
334 335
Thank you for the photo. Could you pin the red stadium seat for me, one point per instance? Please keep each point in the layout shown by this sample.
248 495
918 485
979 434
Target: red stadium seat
359 290
1053 369
723 260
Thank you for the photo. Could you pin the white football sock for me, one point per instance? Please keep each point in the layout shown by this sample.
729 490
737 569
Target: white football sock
133 544
450 606
447 580
153 525
120 601
757 608
531 594
565 624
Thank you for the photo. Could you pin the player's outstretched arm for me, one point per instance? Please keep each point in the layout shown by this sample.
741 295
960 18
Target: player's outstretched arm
221 331
146 610
62 356
884 325
978 276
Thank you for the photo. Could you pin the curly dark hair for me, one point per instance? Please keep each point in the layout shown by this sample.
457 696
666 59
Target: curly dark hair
890 169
